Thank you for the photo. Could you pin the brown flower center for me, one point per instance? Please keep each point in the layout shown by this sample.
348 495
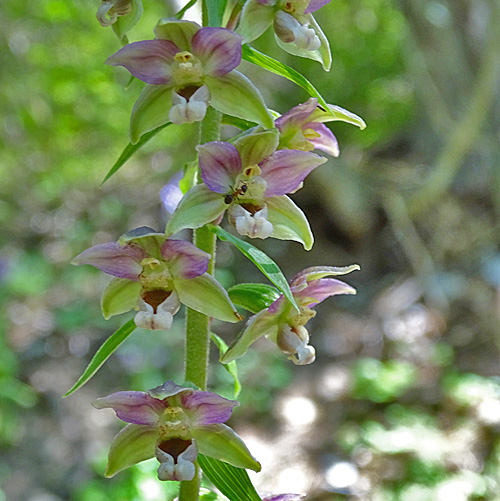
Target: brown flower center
174 447
155 297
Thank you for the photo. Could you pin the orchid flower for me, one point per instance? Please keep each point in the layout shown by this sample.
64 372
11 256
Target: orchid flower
155 275
249 179
283 324
295 28
302 127
123 15
187 68
174 424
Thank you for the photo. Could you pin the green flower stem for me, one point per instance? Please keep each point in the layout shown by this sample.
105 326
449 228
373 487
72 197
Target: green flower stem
197 324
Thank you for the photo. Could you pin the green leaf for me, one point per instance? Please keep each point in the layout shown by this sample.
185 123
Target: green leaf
103 353
253 297
186 7
231 366
237 122
215 9
268 63
233 482
260 259
130 149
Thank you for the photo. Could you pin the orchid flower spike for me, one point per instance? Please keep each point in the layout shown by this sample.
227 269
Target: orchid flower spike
302 127
155 275
249 179
296 31
283 324
122 15
187 68
174 424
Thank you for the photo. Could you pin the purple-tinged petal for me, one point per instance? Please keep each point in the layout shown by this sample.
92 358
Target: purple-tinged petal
218 49
267 2
286 169
184 259
220 163
148 61
297 116
135 407
314 5
277 306
282 497
121 261
326 141
208 408
319 290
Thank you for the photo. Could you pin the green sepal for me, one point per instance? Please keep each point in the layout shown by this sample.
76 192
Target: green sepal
206 295
102 354
119 296
261 324
198 206
150 110
255 19
289 222
334 113
234 94
233 482
124 24
278 68
253 297
265 264
231 367
150 241
179 31
255 147
322 55
221 442
134 443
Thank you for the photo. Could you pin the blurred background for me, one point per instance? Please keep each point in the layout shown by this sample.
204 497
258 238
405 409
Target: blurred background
403 401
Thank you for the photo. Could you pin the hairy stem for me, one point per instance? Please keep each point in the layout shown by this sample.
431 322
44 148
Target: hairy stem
197 324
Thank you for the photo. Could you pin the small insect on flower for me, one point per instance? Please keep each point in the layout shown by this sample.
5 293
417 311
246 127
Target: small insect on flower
236 193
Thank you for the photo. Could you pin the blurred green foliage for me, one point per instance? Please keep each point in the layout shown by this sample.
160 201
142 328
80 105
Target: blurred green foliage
405 380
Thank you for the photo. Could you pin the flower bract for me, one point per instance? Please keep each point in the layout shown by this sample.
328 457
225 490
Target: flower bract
155 275
174 424
283 324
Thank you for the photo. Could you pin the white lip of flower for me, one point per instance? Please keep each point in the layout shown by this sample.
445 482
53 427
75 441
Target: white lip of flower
295 342
180 468
189 110
252 225
306 38
146 318
290 30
